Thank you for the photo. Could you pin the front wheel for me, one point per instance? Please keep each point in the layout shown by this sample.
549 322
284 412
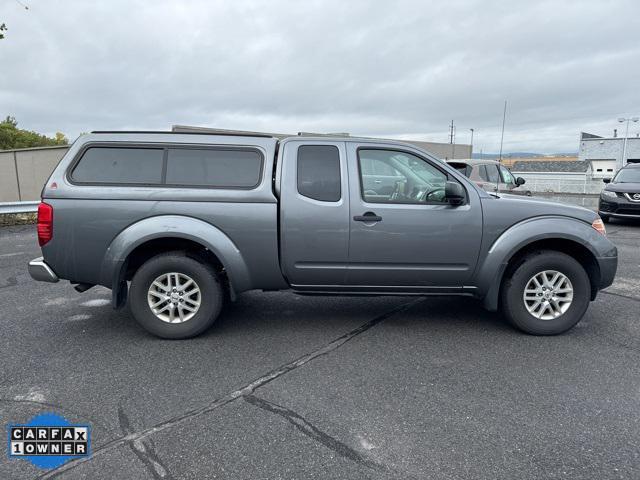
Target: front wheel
547 294
175 296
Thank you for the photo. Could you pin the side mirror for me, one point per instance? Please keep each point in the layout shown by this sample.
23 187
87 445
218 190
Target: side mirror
606 180
454 193
520 181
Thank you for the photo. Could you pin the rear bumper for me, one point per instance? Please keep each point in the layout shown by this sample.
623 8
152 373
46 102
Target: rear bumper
42 272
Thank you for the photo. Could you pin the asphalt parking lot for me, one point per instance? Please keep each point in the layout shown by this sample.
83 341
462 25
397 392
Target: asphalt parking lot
303 387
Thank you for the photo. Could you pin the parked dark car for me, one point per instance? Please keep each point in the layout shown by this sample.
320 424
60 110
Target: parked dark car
182 223
490 175
621 197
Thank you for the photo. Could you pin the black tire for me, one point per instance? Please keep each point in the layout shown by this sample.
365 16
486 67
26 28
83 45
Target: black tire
512 302
208 281
605 218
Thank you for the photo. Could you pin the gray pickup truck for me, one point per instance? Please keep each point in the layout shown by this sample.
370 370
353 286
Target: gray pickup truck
180 223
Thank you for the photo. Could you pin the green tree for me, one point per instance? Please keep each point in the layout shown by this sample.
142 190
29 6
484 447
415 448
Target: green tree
13 137
3 28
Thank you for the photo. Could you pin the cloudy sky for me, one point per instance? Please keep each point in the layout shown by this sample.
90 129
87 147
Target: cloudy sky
396 69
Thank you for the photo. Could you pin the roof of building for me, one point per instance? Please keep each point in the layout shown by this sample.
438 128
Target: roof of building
585 135
592 137
551 166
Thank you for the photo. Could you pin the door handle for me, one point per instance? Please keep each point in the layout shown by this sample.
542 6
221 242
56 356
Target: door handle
367 217
377 181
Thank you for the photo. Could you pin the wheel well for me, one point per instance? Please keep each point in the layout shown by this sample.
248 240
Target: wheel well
150 249
574 249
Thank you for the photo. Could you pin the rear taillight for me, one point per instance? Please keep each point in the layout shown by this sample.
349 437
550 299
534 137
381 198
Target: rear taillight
45 223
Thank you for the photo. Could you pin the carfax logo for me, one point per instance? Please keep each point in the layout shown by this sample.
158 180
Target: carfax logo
49 440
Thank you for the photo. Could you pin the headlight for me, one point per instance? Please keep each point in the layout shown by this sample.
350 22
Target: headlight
599 226
608 194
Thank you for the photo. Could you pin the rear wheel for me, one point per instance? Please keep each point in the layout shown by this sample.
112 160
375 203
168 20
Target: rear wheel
175 296
546 294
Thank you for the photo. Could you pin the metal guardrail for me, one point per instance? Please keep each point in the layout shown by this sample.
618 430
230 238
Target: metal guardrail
18 207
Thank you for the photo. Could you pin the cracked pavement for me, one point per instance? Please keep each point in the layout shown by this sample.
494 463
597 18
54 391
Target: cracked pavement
286 386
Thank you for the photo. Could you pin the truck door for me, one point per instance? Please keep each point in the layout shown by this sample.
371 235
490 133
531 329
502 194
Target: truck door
412 236
314 212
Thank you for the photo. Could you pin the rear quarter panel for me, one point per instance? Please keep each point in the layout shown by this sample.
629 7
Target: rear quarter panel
84 230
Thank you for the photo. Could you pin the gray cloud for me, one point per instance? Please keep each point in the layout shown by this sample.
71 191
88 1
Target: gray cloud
401 69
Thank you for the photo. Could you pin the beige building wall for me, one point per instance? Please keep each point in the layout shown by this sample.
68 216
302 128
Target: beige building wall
34 165
8 181
444 151
34 168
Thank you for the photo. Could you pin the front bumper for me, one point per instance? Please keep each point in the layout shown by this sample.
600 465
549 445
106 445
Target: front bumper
608 267
618 207
42 272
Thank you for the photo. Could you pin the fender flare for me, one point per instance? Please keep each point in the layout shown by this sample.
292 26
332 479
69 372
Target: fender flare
490 273
172 226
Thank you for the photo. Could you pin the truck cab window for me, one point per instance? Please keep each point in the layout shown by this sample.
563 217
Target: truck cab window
319 172
412 179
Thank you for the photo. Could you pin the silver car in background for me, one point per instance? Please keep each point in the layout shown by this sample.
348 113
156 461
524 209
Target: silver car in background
491 176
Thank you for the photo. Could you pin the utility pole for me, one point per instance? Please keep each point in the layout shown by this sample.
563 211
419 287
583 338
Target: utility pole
452 139
626 134
504 116
471 142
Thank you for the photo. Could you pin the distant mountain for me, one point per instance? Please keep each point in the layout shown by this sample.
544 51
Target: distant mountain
495 156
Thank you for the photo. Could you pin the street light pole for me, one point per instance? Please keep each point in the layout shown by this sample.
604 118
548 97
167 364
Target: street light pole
471 142
452 139
626 135
504 117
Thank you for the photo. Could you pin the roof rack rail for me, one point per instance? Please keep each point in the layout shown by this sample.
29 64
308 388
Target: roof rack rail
222 131
330 134
181 132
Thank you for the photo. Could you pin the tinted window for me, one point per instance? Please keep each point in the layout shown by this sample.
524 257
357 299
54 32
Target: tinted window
478 173
492 173
215 168
119 165
319 172
463 168
482 171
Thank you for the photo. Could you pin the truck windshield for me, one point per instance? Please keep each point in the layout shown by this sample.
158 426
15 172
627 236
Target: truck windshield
628 175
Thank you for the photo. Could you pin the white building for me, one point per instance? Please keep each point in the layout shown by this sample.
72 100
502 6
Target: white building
606 154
